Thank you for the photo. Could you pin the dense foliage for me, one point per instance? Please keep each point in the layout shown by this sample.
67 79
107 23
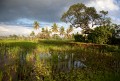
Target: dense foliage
79 38
79 15
100 35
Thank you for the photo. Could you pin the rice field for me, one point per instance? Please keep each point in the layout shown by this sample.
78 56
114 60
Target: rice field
58 60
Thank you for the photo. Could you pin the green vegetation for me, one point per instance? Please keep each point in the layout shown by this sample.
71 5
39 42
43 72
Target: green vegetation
36 25
57 57
100 35
81 16
96 27
47 60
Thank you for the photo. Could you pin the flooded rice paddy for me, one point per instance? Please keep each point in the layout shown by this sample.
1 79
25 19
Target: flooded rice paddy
28 63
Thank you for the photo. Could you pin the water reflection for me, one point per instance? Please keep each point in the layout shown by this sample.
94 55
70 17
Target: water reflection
62 62
20 64
27 65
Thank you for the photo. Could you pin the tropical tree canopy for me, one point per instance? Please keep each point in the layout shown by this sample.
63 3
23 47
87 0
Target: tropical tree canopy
105 21
54 28
32 33
43 30
70 29
36 25
81 16
62 31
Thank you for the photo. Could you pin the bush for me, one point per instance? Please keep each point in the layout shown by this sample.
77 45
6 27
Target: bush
79 38
100 35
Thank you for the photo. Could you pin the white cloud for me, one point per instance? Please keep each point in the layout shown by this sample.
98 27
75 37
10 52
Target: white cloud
108 5
9 30
6 30
2 29
112 6
116 20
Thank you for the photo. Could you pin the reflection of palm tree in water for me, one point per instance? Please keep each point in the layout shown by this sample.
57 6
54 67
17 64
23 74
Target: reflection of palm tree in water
66 63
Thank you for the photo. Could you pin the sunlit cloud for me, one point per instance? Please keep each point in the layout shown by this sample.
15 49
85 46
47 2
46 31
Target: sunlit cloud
112 6
108 5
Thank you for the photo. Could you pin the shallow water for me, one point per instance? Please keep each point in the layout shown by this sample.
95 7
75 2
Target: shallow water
20 67
18 64
63 62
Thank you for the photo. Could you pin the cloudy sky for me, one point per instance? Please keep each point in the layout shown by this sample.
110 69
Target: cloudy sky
17 16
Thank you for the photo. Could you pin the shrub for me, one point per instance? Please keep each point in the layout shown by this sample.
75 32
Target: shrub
79 38
100 35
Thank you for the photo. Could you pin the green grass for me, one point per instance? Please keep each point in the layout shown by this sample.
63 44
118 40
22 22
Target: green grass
103 61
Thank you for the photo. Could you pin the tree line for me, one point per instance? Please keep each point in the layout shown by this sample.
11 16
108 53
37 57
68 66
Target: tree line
55 32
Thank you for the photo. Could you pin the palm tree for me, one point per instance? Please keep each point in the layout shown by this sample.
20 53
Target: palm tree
55 28
62 31
103 17
70 28
32 34
45 33
68 31
36 25
43 30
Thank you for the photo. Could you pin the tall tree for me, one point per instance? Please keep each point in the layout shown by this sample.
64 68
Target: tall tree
47 33
62 31
93 17
41 34
105 21
104 13
36 25
55 28
81 16
70 28
68 31
32 34
43 30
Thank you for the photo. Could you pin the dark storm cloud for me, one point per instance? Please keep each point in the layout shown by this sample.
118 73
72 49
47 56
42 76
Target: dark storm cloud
42 10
